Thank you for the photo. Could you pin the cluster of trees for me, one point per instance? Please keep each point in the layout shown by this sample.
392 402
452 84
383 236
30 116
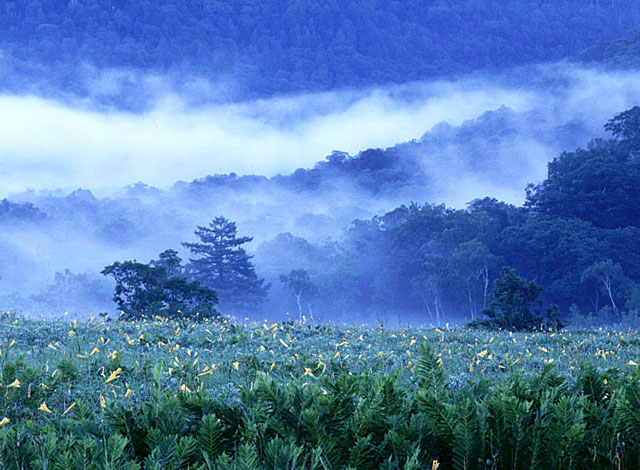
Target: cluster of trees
274 46
577 238
221 270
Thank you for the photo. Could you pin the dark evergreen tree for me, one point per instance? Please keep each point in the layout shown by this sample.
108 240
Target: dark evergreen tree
170 261
222 264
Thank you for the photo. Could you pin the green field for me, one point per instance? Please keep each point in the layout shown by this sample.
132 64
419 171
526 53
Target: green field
172 395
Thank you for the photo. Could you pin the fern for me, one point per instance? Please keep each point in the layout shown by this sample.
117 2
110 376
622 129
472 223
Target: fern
223 462
115 451
628 422
246 458
466 448
279 455
85 455
427 370
64 461
185 452
210 437
364 455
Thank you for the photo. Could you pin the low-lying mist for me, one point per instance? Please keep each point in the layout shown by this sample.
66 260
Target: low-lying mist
450 142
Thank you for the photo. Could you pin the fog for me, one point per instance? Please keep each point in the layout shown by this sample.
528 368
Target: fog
469 138
45 144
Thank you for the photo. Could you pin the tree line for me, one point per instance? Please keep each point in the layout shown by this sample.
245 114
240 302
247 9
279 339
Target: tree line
572 250
577 237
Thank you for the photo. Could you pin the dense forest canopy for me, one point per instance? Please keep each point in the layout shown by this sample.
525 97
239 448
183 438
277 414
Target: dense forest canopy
618 53
266 47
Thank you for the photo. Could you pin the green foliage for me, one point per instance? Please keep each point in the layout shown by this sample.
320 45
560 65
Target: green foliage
394 403
514 304
159 289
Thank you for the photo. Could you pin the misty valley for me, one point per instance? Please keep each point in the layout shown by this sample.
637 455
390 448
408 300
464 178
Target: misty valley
319 235
351 232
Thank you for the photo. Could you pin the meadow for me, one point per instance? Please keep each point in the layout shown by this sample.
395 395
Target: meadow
159 394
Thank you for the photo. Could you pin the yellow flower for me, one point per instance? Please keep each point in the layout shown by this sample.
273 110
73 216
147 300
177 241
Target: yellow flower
184 388
471 367
51 346
307 371
4 421
13 341
115 375
631 363
202 374
544 350
127 393
103 402
273 366
434 465
483 353
15 384
68 410
344 343
439 362
283 343
44 408
81 356
94 351
235 365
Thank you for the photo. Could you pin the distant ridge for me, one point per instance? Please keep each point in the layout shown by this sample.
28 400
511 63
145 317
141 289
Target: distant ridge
619 53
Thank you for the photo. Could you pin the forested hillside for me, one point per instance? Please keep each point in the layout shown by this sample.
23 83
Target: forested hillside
618 53
265 47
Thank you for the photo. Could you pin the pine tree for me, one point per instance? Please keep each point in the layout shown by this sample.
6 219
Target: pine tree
222 264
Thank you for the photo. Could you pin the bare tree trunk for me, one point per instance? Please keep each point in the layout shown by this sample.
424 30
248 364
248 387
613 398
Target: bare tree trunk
310 312
298 295
607 285
439 310
485 276
471 306
425 302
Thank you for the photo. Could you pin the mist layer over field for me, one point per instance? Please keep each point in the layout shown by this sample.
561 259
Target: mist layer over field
47 144
455 141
